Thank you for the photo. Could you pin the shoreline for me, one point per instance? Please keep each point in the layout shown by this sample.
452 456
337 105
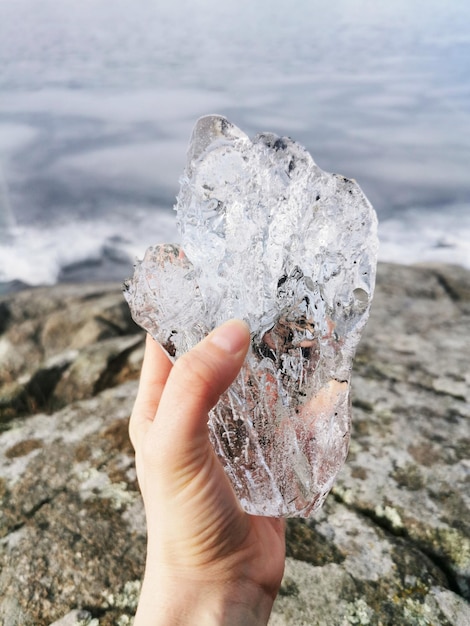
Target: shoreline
109 274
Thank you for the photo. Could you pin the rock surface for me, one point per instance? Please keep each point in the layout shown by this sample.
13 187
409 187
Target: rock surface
392 543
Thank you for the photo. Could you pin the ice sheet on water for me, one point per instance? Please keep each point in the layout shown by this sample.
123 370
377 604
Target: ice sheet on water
268 237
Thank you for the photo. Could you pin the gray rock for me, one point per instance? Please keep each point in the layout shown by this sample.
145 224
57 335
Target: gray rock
71 521
62 344
76 618
409 462
392 543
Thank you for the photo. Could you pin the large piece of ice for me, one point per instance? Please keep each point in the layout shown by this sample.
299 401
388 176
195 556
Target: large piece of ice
268 237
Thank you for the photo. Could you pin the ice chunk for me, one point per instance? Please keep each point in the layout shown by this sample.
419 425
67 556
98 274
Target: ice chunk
268 237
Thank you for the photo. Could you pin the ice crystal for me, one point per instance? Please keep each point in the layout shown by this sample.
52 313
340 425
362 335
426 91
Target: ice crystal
267 237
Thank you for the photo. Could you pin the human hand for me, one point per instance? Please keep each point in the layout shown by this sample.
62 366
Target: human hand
208 562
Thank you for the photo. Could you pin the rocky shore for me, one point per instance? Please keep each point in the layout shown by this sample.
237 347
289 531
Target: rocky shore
391 545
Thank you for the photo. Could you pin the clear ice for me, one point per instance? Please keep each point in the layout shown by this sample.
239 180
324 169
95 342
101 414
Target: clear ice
268 237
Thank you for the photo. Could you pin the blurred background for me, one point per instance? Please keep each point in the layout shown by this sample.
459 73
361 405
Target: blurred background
98 99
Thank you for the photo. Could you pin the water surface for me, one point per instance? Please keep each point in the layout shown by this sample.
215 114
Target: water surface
97 102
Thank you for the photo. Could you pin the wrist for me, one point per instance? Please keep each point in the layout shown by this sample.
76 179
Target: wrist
185 603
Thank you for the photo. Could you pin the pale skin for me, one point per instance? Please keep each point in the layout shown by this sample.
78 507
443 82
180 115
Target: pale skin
208 562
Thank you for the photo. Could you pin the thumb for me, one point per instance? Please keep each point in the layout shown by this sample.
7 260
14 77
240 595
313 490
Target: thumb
194 386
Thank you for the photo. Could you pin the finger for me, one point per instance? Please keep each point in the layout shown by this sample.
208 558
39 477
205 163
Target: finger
194 385
155 370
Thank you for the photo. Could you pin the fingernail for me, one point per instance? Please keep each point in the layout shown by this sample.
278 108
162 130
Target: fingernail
231 337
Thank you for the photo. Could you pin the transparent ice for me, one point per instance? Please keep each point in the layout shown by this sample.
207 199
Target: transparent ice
268 237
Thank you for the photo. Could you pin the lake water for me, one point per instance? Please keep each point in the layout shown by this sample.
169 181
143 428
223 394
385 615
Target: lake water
98 99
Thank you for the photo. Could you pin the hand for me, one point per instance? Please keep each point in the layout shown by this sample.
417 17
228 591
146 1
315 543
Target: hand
208 562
